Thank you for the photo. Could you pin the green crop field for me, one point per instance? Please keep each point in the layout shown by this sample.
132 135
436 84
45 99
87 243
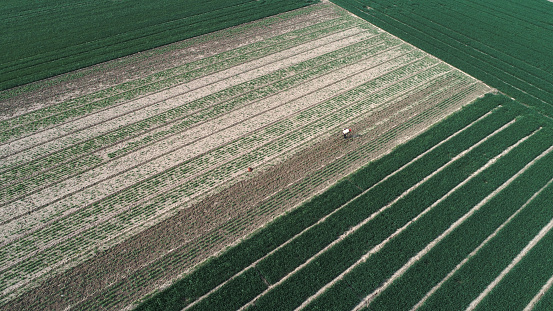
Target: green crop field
41 39
211 173
506 44
456 218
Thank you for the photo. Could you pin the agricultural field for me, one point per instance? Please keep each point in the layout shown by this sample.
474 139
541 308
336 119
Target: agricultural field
505 43
458 218
41 39
119 179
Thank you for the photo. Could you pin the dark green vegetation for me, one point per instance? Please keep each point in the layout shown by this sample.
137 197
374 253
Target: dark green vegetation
506 44
41 39
455 184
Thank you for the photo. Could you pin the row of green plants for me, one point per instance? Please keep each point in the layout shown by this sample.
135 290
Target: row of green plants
64 111
114 204
472 37
111 30
221 268
469 281
233 101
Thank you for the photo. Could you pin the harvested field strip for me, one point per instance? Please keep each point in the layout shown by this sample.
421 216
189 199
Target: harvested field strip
440 136
107 207
161 125
60 114
53 232
304 117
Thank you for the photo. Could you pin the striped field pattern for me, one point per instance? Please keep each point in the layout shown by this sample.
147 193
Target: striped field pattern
94 167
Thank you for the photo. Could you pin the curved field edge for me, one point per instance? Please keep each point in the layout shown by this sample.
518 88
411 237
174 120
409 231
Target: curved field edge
217 269
95 45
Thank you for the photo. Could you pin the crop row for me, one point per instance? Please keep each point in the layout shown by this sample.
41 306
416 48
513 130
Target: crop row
141 212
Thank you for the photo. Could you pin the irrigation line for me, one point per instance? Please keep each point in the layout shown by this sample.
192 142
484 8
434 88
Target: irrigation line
370 298
545 288
477 249
345 204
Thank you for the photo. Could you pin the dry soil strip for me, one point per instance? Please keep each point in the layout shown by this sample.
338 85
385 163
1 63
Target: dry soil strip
113 170
368 299
532 304
49 147
368 219
477 249
341 207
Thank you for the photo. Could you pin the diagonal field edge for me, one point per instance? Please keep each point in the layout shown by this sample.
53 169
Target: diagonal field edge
491 236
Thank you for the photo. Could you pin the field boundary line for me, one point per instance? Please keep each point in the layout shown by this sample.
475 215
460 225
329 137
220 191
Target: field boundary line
368 299
477 249
545 230
373 215
339 208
